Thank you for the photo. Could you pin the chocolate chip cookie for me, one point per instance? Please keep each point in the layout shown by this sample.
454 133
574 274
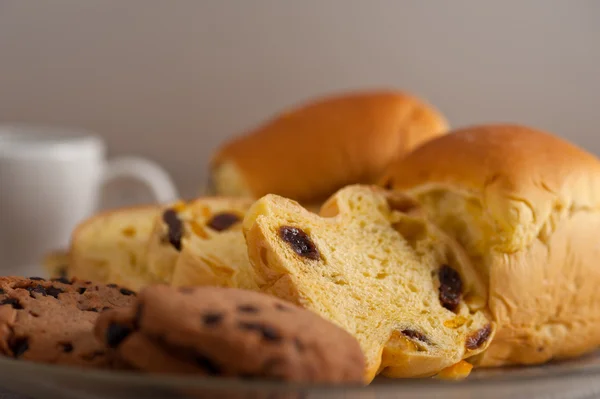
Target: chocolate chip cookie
51 321
230 332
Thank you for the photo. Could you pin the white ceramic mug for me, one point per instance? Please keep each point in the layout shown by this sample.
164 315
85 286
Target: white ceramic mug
51 180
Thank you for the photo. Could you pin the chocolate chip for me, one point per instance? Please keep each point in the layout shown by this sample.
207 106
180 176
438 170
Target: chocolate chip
62 271
63 280
281 307
267 332
223 221
211 319
478 338
247 309
207 364
37 278
450 287
82 290
18 346
2 292
299 345
53 291
37 289
14 302
299 241
112 285
175 228
126 292
116 333
67 347
415 335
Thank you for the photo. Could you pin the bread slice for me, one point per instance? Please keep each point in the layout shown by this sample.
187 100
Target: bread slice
314 149
525 204
201 243
372 264
110 247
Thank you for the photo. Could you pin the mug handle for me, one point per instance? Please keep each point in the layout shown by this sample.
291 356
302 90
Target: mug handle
148 172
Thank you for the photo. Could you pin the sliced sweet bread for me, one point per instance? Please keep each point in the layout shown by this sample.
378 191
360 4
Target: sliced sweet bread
110 247
201 243
373 264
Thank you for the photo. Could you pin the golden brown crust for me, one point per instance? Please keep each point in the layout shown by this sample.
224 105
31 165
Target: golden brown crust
310 152
526 205
519 171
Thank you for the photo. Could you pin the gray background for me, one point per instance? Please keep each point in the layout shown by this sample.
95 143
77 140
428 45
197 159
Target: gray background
170 79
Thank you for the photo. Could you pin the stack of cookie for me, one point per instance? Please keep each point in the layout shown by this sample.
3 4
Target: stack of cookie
410 250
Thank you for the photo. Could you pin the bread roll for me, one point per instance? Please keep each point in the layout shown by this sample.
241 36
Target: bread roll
308 153
526 206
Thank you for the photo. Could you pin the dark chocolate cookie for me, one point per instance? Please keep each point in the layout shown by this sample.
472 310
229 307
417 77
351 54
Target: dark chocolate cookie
230 333
52 321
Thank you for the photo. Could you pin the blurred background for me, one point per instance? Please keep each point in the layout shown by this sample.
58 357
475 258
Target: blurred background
172 79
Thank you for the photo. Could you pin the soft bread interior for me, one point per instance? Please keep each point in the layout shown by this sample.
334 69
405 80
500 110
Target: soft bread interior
544 309
111 247
212 250
376 275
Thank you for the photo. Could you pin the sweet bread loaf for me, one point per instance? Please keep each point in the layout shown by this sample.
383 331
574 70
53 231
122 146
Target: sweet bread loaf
526 206
308 153
373 265
201 243
110 247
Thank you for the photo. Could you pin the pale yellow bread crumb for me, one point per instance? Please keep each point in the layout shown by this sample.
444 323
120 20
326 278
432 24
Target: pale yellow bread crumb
208 255
376 275
110 247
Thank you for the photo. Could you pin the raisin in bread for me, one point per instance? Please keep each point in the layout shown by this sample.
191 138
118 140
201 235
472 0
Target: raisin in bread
110 247
372 264
56 263
316 148
525 204
201 243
